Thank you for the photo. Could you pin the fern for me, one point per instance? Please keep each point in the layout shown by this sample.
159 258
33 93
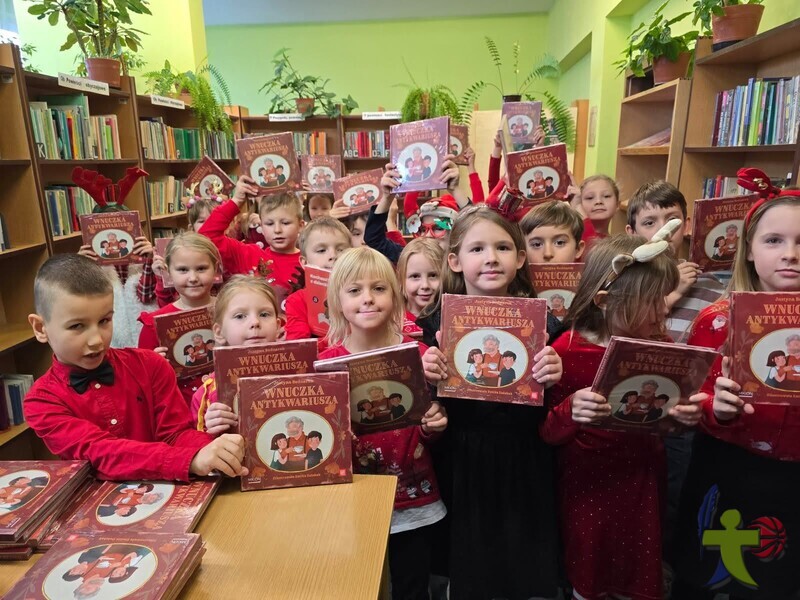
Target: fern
546 68
561 116
224 91
498 63
469 99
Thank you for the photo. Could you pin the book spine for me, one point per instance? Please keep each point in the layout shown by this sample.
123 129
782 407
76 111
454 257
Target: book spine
748 107
717 114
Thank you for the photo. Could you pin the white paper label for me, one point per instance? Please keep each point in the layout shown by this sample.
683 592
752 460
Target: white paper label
386 115
278 117
167 101
82 84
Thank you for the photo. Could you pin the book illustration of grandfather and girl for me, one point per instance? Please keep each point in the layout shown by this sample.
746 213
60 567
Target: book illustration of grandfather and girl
195 348
321 178
642 402
19 488
783 367
112 244
360 195
302 443
134 498
721 246
520 126
539 183
492 364
270 170
385 402
417 162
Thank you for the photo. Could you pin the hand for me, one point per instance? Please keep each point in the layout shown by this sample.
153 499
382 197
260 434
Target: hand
391 220
434 363
588 407
497 150
142 246
688 272
435 420
159 265
224 454
254 221
538 135
307 186
162 350
339 210
450 172
88 252
573 190
727 404
689 414
390 179
469 154
245 186
220 418
547 367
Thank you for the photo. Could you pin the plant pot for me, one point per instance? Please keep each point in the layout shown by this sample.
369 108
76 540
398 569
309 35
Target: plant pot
305 106
512 98
703 47
104 69
739 23
665 70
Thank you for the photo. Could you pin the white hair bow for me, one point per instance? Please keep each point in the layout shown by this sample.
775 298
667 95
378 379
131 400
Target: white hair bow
644 253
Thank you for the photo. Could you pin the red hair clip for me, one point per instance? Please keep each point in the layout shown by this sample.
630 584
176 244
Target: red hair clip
757 181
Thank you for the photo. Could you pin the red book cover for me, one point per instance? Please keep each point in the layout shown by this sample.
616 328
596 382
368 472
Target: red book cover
539 173
764 342
521 119
490 344
459 141
189 340
56 530
161 249
717 224
271 161
360 191
143 565
556 283
112 235
387 387
296 430
418 149
316 293
321 170
207 179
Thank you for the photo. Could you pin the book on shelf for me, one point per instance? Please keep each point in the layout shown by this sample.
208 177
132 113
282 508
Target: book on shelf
271 161
366 144
5 240
725 187
164 195
162 142
166 232
15 386
65 205
418 150
112 236
717 224
321 170
311 142
556 283
360 191
539 173
219 145
189 340
459 141
660 138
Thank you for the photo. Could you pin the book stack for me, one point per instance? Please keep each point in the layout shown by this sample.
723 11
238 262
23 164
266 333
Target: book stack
765 111
366 144
312 142
12 391
218 145
65 203
162 142
164 195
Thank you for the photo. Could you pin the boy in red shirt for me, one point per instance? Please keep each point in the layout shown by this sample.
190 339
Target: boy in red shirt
120 409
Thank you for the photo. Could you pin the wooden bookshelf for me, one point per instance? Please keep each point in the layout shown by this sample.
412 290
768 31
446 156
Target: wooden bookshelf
355 123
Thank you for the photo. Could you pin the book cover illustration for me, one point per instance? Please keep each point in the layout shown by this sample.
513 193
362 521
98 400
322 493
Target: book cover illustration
643 379
316 292
539 173
166 279
556 283
360 191
418 150
717 224
296 430
112 235
764 342
490 344
387 387
208 180
519 121
271 160
321 170
56 530
189 339
459 141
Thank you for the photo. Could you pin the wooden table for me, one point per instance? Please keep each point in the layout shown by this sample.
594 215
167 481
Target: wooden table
303 543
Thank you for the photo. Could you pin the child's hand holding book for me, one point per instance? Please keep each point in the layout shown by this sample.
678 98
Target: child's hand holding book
727 404
224 454
588 407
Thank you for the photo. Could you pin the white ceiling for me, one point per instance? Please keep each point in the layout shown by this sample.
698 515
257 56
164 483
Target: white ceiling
261 12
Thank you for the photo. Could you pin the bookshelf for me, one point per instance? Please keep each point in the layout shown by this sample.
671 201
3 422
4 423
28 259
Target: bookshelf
352 125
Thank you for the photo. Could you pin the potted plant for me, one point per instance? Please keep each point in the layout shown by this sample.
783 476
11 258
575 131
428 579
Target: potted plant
166 81
669 55
101 29
427 103
728 21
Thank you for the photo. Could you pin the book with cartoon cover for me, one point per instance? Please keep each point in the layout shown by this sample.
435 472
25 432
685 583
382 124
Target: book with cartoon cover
418 150
112 236
360 191
539 173
717 224
321 170
271 161
459 142
556 283
316 293
208 180
519 122
189 339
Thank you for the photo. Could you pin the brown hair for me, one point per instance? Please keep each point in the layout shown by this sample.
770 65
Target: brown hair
198 208
555 213
196 242
238 283
71 274
601 177
306 214
630 297
660 194
320 224
428 247
288 200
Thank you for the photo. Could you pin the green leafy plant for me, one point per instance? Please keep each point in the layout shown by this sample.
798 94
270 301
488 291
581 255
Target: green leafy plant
559 117
27 51
208 102
428 103
705 9
165 81
649 42
130 62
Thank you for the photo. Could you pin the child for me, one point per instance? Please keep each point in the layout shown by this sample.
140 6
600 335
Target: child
599 201
313 454
507 374
119 409
475 366
608 552
396 410
418 270
553 233
318 205
745 467
193 262
366 314
280 454
281 223
245 313
500 499
776 361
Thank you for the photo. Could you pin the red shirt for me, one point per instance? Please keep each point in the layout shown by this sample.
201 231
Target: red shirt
297 326
138 428
590 234
410 327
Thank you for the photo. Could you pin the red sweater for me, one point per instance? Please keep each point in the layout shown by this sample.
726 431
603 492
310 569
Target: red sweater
297 326
401 452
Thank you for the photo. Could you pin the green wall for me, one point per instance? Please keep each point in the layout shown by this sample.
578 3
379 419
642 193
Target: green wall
575 81
366 59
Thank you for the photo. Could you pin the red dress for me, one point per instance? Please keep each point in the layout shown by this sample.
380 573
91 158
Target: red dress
610 490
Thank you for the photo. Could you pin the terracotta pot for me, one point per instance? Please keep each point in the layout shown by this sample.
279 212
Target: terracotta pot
512 98
739 23
104 69
305 106
665 70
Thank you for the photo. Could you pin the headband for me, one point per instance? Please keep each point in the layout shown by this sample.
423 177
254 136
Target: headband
657 245
757 181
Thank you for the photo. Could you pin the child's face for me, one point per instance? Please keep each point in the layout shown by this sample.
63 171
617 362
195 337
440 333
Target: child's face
775 249
190 351
421 282
508 362
721 243
282 443
367 305
366 406
318 206
313 443
780 360
432 230
552 244
394 401
324 246
652 218
79 329
357 231
202 218
249 319
281 227
487 259
477 358
193 275
598 201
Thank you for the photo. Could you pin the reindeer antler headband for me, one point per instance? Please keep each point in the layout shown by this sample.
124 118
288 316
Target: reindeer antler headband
757 181
644 253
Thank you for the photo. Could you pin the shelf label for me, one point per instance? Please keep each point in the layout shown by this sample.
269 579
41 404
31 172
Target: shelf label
167 101
281 117
82 84
384 115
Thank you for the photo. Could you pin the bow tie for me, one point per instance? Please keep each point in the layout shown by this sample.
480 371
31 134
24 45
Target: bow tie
80 380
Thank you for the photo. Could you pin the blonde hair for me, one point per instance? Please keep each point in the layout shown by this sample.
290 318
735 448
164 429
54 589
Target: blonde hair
287 200
604 178
198 208
238 283
193 241
427 247
321 224
352 265
630 298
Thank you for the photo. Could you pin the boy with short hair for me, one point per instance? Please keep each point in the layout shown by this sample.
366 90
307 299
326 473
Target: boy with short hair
396 409
313 454
507 374
553 232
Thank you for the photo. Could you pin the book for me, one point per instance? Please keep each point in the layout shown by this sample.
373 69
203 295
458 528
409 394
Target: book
296 430
490 344
418 150
166 279
189 339
539 173
271 161
321 170
459 141
359 191
207 180
387 387
643 379
112 236
556 283
660 138
764 343
366 144
519 122
56 528
142 565
717 225
316 293
5 240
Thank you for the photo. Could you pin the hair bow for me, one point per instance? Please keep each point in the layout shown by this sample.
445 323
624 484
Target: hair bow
657 245
757 181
